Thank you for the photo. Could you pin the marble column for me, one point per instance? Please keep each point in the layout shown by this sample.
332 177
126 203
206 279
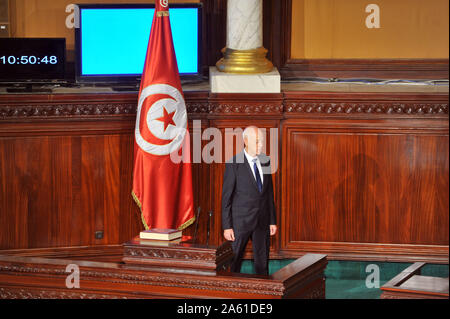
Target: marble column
244 52
244 24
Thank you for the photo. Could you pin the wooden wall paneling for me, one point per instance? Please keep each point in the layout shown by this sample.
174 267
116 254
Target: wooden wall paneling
197 107
429 69
91 167
92 185
111 212
128 210
60 171
201 181
276 18
61 158
74 153
214 32
354 184
76 214
66 189
404 136
115 200
7 202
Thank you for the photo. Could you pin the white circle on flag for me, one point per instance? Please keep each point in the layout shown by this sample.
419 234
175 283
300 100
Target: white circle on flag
173 135
164 3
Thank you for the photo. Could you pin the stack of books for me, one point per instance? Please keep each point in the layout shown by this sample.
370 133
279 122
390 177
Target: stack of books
160 236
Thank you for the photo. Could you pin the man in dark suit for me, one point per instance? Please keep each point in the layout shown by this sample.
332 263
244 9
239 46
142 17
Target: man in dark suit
248 208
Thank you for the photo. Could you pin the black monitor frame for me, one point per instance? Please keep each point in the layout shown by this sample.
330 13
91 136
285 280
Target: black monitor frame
132 79
41 78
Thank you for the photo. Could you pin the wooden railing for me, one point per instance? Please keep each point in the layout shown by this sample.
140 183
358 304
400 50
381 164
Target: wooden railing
103 275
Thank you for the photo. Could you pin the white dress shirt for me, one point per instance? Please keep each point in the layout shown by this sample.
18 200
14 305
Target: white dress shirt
258 164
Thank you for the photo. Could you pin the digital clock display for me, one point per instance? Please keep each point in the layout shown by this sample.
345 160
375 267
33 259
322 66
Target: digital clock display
28 59
32 59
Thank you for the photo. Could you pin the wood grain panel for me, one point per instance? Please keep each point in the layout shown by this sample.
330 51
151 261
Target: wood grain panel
362 176
359 188
59 190
201 183
347 183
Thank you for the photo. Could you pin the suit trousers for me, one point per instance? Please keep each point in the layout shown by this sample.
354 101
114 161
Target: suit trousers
261 245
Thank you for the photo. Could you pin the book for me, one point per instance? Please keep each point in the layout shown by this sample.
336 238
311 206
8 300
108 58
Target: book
156 242
160 234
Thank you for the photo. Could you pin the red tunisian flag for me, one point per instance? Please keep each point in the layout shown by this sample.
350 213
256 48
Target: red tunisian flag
162 185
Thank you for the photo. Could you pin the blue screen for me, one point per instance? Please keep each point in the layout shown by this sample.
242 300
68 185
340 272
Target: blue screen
114 41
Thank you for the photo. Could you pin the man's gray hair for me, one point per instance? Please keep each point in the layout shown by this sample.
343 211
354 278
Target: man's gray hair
247 130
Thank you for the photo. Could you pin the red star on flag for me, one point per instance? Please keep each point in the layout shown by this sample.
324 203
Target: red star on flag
167 119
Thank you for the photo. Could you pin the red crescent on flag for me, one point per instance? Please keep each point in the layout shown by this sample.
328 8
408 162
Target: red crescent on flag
143 127
160 138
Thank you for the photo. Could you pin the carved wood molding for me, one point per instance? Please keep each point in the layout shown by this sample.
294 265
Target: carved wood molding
344 108
176 254
236 108
82 110
85 105
367 108
368 104
156 253
20 293
203 103
197 107
65 110
158 279
246 104
74 110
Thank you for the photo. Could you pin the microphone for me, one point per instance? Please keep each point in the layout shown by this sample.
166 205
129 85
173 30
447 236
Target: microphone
208 227
196 224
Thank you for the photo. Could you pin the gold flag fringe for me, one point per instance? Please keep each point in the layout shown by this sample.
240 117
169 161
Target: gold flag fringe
184 226
138 202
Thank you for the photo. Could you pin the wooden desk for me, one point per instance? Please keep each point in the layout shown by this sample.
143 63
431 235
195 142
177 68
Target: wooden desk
41 273
410 284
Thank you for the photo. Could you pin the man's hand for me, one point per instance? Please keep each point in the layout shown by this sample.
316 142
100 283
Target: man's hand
273 230
229 234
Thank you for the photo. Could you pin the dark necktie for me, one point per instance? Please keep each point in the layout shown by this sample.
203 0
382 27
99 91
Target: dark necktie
257 176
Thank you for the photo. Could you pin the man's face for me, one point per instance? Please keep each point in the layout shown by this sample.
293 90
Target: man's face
255 141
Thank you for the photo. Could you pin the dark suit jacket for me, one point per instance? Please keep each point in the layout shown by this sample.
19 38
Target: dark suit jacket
243 206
